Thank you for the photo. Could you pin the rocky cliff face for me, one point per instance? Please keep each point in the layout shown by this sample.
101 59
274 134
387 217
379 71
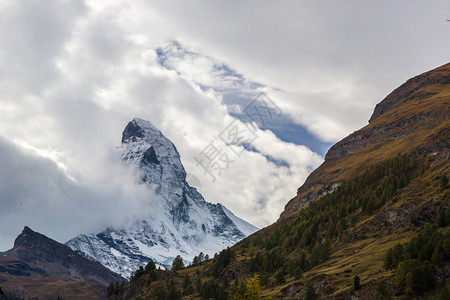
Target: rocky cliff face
181 221
413 119
49 256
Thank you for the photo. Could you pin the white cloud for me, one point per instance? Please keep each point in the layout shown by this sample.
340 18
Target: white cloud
74 74
318 49
34 191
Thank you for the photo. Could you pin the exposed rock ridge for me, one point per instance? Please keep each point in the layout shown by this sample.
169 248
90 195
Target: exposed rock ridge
413 119
410 90
50 256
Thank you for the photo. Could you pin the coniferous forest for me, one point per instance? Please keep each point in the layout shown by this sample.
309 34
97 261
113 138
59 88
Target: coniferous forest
295 246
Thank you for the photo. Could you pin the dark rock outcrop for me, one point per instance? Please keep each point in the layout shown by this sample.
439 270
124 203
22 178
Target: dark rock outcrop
49 256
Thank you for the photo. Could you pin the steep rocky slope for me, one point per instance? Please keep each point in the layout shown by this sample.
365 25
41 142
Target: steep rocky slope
414 118
40 267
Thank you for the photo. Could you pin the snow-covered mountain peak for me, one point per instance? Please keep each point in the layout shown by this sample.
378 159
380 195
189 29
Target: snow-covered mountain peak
181 221
139 129
154 157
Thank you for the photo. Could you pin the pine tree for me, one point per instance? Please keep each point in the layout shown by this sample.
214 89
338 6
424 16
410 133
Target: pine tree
388 260
446 247
310 292
325 250
110 289
173 293
116 288
186 281
400 273
441 220
315 256
443 182
177 263
382 291
356 283
150 267
409 283
438 255
187 285
251 250
279 277
201 257
198 284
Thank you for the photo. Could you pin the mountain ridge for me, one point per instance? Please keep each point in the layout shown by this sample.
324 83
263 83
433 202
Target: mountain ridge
50 269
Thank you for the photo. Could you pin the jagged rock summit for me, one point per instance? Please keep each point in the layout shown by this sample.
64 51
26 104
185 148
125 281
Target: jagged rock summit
181 221
155 157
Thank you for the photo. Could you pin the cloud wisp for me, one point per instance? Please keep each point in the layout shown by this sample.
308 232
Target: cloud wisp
36 192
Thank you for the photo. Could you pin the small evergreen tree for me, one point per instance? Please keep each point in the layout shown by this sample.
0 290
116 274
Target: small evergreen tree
116 288
388 260
177 263
409 283
438 255
198 284
441 219
201 257
279 277
356 283
326 249
186 281
310 292
110 289
150 267
173 293
446 247
187 285
251 250
159 293
264 279
443 182
382 291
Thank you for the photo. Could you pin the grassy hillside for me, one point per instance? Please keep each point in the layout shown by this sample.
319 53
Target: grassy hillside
414 119
344 234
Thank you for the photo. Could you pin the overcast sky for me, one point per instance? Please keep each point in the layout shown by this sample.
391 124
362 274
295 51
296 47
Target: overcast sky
74 73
